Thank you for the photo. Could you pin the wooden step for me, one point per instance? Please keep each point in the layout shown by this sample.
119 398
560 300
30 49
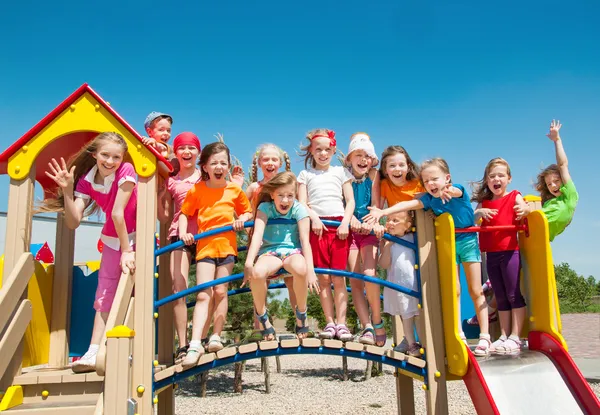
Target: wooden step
83 407
51 376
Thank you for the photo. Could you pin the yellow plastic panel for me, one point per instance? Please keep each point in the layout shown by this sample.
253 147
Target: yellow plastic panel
13 397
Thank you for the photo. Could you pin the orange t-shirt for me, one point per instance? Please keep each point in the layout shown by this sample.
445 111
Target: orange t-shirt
394 194
215 209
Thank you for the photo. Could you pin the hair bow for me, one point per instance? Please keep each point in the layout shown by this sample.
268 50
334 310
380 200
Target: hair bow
330 135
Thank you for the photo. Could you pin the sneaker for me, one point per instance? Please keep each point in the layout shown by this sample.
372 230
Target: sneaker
328 332
214 343
86 364
414 350
192 357
342 333
402 347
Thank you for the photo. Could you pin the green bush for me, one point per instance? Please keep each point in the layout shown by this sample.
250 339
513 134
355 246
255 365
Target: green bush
575 292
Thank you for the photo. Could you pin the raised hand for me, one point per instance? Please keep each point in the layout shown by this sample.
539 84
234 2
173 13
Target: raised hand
237 175
374 215
554 134
63 177
487 213
446 194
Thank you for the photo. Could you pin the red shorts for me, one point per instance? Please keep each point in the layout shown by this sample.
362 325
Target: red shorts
330 251
358 240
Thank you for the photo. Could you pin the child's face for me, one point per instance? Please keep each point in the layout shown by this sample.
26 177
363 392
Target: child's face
283 198
553 183
361 163
160 131
217 167
498 179
434 180
322 151
109 157
187 155
396 169
269 162
398 224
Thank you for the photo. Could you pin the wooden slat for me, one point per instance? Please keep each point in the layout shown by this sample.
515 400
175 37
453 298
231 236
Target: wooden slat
268 344
26 379
205 358
379 351
74 377
170 371
14 286
118 374
247 348
311 342
354 346
289 343
99 410
14 333
93 377
227 352
333 344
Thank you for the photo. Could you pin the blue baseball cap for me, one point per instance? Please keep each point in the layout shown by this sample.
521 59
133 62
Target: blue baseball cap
154 115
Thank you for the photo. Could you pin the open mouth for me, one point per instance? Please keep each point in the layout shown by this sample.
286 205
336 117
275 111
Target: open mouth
362 166
433 191
497 186
397 175
218 176
186 158
107 167
270 169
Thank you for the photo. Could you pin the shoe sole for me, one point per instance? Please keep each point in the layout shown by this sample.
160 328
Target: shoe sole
83 368
212 348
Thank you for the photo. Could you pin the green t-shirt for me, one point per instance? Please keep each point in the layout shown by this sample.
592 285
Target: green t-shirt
560 210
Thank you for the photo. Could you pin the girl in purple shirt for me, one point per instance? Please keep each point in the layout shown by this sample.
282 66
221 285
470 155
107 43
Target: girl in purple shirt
96 178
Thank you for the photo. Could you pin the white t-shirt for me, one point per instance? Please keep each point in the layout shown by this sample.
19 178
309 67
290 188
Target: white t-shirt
324 188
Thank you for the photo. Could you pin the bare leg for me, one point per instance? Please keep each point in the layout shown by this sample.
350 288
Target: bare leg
326 297
180 267
358 289
473 273
265 265
340 299
296 265
408 325
369 255
505 322
204 272
220 299
518 319
99 327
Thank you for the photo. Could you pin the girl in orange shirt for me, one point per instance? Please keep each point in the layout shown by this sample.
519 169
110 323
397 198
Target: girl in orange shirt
215 200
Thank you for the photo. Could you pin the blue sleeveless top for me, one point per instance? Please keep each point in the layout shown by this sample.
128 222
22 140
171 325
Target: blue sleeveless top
362 196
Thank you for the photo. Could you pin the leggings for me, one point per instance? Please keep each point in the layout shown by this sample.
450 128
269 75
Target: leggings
504 272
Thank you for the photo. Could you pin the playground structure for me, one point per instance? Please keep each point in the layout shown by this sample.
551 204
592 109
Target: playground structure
133 375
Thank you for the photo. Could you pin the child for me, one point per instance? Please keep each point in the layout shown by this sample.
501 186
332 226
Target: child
187 149
498 207
158 128
214 200
361 160
96 178
559 196
398 181
323 189
400 265
277 246
442 196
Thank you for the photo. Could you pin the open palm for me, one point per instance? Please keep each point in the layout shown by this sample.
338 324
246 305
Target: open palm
60 174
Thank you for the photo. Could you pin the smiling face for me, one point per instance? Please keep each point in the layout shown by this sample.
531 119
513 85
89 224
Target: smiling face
187 155
269 162
396 169
398 224
108 158
434 180
217 167
283 198
160 130
553 183
498 179
361 163
322 152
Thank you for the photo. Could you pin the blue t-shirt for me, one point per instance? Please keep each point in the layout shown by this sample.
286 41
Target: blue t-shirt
283 235
460 208
362 196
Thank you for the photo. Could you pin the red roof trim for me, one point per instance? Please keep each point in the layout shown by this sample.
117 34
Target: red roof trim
63 106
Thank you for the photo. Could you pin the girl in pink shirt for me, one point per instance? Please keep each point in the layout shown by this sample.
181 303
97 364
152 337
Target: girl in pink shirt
187 148
96 178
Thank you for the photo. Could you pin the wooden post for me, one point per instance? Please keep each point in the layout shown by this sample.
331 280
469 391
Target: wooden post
203 380
344 368
267 373
369 369
118 372
237 377
431 317
143 343
405 394
17 242
166 327
278 364
61 293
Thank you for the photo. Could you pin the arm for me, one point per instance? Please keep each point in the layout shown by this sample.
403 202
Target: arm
343 229
164 205
377 213
250 190
257 236
118 217
317 225
521 208
385 258
304 235
238 224
561 156
375 189
450 192
184 235
74 208
64 178
484 213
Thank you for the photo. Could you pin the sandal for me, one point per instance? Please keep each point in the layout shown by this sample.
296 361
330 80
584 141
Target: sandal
380 339
367 336
342 333
301 331
483 347
267 333
328 332
181 353
512 345
463 338
192 357
214 343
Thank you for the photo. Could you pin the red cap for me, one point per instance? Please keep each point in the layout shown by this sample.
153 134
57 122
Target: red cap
186 138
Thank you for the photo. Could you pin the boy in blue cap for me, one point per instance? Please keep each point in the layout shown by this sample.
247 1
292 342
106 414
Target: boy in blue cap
158 128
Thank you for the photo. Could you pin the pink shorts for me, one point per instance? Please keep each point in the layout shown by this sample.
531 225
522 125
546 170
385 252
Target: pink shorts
358 240
330 251
109 275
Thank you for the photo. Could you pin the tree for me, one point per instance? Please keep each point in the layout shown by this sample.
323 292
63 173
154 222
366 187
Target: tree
575 292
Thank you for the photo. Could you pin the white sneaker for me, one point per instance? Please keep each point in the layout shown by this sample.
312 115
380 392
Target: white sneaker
214 343
87 363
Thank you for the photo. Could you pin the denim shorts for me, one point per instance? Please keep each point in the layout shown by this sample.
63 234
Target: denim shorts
189 248
229 259
467 250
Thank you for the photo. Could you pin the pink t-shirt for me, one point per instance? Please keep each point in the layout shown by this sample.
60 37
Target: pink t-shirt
105 195
178 189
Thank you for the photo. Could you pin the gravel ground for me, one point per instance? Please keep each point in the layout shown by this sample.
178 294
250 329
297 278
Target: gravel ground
300 387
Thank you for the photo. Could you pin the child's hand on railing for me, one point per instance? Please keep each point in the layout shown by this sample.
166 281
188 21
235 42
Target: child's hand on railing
127 261
187 238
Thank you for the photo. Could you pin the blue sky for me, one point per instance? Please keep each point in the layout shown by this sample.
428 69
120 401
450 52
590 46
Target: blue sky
466 81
